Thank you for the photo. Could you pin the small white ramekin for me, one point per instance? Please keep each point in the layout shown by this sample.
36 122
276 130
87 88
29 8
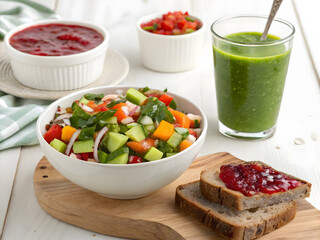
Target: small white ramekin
170 53
58 73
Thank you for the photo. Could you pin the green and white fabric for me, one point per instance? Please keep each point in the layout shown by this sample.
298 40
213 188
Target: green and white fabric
18 120
16 12
17 115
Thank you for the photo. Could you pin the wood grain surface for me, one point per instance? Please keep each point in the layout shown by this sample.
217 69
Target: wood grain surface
151 217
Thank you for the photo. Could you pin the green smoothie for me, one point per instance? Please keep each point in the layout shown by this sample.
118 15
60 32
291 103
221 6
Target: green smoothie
249 80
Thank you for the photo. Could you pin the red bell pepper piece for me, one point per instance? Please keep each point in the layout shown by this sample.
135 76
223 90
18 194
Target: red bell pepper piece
53 132
166 99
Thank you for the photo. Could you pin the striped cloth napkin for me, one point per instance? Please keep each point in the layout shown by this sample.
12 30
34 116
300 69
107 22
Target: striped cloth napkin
18 120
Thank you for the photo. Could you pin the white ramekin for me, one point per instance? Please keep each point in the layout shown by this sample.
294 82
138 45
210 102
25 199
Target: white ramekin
170 53
58 73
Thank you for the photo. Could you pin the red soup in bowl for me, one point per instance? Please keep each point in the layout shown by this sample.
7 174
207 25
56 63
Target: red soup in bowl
56 39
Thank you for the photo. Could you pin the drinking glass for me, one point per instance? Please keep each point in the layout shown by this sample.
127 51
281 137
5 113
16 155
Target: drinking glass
250 74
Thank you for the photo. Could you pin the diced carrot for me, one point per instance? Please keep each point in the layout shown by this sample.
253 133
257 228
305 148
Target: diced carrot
164 130
184 145
120 114
142 146
181 118
67 132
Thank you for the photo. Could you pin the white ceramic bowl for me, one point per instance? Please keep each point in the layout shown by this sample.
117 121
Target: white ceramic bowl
170 53
58 73
126 181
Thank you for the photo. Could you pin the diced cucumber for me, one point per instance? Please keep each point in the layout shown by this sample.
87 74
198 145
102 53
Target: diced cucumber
146 133
145 120
83 100
58 145
136 133
170 154
135 96
131 125
182 131
83 146
150 128
112 120
121 159
175 140
102 156
153 154
117 153
116 141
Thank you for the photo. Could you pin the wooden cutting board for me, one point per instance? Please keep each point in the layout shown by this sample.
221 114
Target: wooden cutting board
151 217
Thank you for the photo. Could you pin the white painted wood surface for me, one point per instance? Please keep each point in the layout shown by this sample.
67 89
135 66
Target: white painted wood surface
308 14
299 116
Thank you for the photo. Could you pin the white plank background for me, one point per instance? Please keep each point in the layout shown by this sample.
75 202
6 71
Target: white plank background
308 14
299 117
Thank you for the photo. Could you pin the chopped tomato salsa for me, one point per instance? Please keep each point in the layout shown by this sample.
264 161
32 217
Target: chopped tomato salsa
172 23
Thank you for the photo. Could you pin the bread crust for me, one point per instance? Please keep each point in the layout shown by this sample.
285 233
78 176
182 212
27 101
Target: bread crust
227 228
217 192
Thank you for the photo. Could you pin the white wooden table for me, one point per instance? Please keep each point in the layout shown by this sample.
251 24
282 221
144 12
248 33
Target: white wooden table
295 148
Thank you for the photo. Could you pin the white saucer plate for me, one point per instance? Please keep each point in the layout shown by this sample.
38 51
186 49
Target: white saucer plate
116 68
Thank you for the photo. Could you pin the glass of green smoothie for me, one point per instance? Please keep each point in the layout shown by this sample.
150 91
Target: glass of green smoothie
250 74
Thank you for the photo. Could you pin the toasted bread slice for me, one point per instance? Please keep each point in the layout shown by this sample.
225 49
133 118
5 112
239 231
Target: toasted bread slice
214 189
240 225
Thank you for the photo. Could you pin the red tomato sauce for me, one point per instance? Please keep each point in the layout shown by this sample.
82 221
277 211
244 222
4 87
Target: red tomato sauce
172 23
56 39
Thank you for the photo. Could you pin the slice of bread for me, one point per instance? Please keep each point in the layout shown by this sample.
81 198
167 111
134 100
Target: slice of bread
242 225
214 189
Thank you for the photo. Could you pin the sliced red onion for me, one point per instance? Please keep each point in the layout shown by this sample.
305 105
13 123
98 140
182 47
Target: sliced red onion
75 155
133 111
197 130
67 122
97 142
109 97
127 120
194 117
191 138
72 140
154 92
133 108
64 116
125 109
86 108
61 111
120 92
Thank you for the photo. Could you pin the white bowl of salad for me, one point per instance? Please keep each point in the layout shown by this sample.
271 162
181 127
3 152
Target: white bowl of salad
122 142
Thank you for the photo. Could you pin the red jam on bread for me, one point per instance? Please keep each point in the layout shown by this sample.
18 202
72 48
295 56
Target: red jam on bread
56 39
255 178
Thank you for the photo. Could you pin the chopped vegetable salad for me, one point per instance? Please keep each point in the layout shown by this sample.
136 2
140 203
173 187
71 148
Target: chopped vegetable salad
141 126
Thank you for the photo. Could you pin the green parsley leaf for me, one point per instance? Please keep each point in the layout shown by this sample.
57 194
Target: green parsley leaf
157 110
